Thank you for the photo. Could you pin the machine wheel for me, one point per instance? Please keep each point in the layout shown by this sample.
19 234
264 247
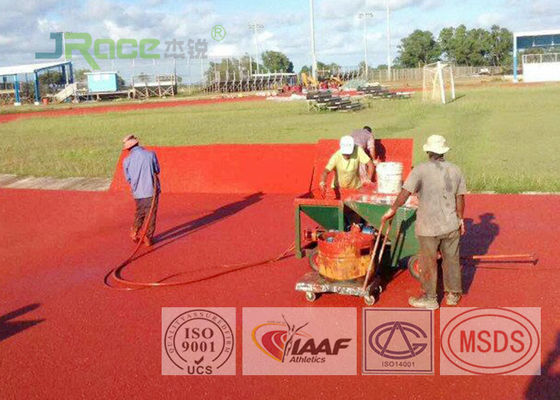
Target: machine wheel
369 300
414 267
310 296
312 255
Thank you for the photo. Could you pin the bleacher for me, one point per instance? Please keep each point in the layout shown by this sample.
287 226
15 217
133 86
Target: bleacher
380 92
321 101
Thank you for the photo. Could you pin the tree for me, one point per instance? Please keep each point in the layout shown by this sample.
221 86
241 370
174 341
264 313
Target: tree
323 69
50 78
476 47
418 49
80 75
230 68
362 67
501 43
274 61
305 69
454 44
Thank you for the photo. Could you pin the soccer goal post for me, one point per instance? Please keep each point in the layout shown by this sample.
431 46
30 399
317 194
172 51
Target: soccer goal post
438 84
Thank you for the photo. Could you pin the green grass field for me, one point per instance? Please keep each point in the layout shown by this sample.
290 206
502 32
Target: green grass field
505 139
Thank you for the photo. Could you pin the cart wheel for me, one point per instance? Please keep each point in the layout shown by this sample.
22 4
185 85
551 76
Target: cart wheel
414 267
312 256
369 300
310 296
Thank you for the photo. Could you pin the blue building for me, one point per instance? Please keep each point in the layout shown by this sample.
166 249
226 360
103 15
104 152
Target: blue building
102 82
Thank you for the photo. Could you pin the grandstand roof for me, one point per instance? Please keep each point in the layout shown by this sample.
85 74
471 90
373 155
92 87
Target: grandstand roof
29 68
538 33
525 40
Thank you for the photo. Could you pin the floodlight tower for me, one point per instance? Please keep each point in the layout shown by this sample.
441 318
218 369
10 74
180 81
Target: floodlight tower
256 28
365 16
388 41
313 55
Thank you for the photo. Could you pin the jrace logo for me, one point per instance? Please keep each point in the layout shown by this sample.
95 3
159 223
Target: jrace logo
198 341
299 341
490 341
398 341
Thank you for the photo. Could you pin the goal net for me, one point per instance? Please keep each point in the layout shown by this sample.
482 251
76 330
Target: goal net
438 83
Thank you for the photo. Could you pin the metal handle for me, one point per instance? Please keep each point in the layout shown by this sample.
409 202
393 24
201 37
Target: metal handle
374 251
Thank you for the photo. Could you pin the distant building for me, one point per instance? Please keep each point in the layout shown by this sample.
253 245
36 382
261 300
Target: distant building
541 67
102 82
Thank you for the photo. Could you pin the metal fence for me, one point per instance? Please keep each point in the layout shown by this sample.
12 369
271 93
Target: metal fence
541 58
231 83
416 74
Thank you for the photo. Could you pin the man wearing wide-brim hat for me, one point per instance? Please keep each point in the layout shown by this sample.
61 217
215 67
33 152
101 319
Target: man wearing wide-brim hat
441 187
141 170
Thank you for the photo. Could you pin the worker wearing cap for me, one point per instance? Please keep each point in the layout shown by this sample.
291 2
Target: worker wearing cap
366 140
346 162
441 187
141 169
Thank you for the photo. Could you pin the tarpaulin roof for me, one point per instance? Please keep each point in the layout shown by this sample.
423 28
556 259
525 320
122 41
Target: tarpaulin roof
29 68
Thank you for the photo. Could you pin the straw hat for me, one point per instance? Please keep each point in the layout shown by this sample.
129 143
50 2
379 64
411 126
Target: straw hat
436 144
347 145
129 142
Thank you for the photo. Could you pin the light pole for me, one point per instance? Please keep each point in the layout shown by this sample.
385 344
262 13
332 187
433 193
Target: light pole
256 28
365 16
313 56
388 42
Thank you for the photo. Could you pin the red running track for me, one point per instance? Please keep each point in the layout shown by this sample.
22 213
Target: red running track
250 168
124 107
64 335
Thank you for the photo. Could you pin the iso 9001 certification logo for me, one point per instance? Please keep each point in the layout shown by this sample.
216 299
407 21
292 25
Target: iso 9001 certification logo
198 341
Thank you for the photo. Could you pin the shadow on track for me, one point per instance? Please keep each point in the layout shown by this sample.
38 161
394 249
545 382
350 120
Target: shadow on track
477 240
173 234
547 385
9 328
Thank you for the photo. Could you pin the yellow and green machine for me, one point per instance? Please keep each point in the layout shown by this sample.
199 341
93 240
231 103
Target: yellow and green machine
332 214
398 250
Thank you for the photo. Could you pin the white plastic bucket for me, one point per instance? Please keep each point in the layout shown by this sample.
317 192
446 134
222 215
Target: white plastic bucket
389 177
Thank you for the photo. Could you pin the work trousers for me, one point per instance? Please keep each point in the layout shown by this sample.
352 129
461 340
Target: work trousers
142 211
448 245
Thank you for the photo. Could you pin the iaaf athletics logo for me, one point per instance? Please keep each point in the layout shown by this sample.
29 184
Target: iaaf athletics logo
299 341
198 341
398 341
288 343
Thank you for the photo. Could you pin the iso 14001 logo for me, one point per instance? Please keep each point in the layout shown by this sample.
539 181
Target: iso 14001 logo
198 341
398 341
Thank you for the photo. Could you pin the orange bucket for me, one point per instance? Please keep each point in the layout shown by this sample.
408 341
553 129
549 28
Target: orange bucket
343 256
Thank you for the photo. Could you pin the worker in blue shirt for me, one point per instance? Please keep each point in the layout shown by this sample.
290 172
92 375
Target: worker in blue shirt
141 169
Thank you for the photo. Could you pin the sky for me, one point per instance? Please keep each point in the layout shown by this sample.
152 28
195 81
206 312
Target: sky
25 26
